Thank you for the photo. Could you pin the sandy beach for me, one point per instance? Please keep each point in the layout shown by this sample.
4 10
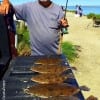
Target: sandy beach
82 33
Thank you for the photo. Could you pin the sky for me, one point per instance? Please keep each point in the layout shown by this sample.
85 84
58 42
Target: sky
63 2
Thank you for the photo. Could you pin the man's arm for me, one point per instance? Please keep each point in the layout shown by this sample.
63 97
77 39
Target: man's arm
4 7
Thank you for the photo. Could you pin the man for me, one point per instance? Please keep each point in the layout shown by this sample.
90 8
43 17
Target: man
44 19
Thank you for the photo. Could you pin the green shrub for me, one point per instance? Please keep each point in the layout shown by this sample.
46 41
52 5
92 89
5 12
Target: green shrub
97 16
23 35
91 15
69 51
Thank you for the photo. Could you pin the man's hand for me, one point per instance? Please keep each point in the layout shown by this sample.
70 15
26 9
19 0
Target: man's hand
64 22
4 7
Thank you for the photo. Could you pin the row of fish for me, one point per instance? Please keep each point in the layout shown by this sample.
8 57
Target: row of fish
50 81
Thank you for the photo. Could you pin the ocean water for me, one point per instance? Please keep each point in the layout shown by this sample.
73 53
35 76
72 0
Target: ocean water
87 9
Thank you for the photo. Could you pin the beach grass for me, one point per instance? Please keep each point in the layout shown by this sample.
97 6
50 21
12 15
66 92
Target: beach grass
69 50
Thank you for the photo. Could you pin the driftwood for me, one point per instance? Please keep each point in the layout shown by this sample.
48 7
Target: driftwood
96 21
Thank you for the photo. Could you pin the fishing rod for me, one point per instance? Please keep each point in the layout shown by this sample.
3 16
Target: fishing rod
64 29
65 9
